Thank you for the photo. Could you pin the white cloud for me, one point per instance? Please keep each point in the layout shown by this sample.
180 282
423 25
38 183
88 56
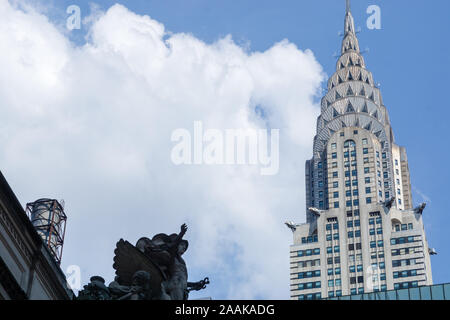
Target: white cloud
92 125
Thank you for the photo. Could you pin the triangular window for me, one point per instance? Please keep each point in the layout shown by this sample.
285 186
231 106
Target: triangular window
340 80
362 92
367 80
372 97
338 96
335 113
350 108
350 77
375 115
350 91
350 62
360 77
342 65
368 126
365 109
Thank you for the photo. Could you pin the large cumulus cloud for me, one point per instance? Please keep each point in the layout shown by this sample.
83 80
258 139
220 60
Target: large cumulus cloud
92 124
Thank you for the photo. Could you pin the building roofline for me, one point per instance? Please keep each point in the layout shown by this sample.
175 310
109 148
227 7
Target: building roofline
18 215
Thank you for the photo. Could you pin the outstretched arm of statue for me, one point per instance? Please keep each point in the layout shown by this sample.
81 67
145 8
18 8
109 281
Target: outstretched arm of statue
196 286
183 230
179 237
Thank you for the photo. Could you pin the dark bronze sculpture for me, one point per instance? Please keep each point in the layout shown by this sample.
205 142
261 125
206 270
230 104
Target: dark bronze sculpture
420 208
388 203
151 270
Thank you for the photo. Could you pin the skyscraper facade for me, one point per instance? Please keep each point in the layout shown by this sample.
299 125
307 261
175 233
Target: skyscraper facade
362 233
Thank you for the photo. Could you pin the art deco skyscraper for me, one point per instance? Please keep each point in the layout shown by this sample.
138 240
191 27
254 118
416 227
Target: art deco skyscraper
362 233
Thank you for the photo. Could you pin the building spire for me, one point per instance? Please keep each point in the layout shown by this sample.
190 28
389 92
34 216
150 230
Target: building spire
350 40
349 23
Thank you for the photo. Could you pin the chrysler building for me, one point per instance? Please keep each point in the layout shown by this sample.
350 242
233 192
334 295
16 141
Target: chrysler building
362 233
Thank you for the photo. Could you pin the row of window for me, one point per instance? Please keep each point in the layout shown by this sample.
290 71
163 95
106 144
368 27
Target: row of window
405 274
308 252
353 183
310 239
383 287
330 249
332 294
348 143
382 277
336 282
311 296
353 213
353 246
349 203
403 240
309 263
353 291
375 220
352 153
356 234
358 268
355 202
353 223
352 258
349 193
332 237
336 271
380 265
380 255
379 243
404 262
354 173
403 251
377 231
329 226
309 274
336 260
348 154
309 285
359 279
347 164
406 285
402 227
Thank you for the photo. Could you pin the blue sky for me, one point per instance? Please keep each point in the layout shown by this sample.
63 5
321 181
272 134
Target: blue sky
409 57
